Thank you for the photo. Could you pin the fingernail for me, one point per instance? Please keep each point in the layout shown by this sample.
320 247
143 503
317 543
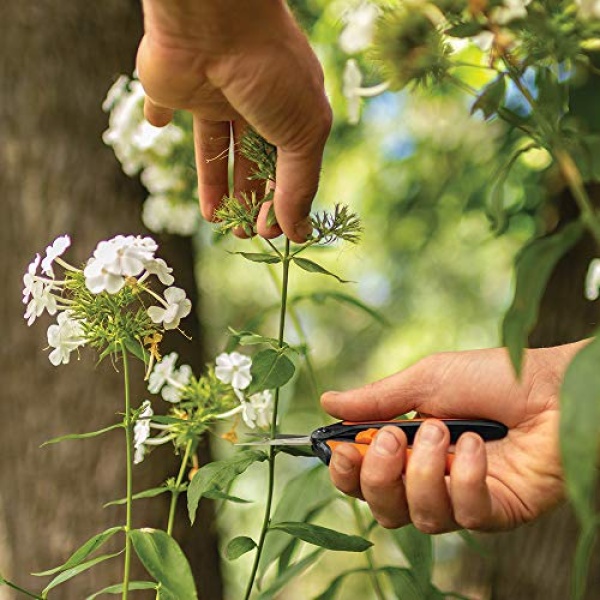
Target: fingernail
469 444
430 435
385 443
304 228
341 464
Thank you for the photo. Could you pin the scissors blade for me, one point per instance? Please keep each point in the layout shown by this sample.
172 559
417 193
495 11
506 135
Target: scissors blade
280 440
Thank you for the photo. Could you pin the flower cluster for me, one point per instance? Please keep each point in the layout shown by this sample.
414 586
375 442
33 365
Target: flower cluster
196 403
157 153
119 268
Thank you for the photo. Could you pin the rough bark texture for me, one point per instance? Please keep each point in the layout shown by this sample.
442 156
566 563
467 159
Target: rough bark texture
56 61
534 562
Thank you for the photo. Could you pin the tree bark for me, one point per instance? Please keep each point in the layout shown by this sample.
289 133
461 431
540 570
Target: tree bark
535 561
56 176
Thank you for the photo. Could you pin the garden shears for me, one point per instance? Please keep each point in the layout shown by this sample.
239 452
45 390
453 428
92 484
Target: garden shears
324 440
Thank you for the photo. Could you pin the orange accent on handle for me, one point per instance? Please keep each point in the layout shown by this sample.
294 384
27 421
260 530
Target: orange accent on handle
362 447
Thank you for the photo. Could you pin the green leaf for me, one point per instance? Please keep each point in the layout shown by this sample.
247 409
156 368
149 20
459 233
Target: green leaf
490 99
307 492
136 349
334 586
219 495
76 570
118 588
581 561
293 571
239 546
151 493
580 429
260 257
405 584
321 297
464 30
270 369
534 265
313 267
82 552
323 537
82 436
417 547
219 475
165 561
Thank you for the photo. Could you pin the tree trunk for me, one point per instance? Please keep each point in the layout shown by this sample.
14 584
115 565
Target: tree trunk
56 176
535 561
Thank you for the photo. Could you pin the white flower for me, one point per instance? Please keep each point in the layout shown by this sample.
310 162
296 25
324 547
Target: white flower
257 410
115 259
171 392
65 336
161 269
484 40
56 249
357 34
177 307
29 278
162 371
159 139
511 11
353 90
42 299
592 280
234 368
588 9
115 93
160 178
160 213
141 432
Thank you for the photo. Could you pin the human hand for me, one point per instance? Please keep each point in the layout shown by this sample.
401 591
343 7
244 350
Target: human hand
492 486
231 63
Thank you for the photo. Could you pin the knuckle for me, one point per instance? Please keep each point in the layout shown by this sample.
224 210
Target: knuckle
377 479
469 520
428 525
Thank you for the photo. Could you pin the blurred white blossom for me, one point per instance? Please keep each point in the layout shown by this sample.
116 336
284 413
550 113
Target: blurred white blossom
176 307
160 214
30 278
588 9
65 336
257 410
592 280
511 11
353 90
141 432
359 27
234 369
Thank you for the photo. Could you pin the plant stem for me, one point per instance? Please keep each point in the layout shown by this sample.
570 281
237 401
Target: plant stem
128 438
175 492
368 553
272 450
14 586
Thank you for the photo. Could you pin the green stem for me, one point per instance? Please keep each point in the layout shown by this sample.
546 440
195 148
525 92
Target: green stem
14 586
272 450
175 493
362 529
129 441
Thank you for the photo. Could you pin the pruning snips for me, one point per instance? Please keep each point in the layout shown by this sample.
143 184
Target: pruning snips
324 440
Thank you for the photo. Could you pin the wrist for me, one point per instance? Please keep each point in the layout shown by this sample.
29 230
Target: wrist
214 26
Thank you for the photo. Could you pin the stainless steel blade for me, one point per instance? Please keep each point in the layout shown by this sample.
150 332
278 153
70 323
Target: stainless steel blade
280 441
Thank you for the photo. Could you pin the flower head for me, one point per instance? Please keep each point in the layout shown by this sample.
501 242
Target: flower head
357 34
234 369
162 371
56 249
161 269
257 410
64 336
141 432
176 383
177 306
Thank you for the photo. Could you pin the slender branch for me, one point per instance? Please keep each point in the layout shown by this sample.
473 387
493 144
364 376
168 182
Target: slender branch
175 492
274 248
362 530
128 438
272 450
14 586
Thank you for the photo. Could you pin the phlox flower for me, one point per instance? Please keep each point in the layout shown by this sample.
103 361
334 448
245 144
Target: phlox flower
257 410
161 213
56 249
42 299
234 369
29 278
141 432
177 306
176 383
511 11
353 90
161 373
64 336
161 269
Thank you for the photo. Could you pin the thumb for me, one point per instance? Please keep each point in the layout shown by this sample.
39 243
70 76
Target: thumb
382 400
